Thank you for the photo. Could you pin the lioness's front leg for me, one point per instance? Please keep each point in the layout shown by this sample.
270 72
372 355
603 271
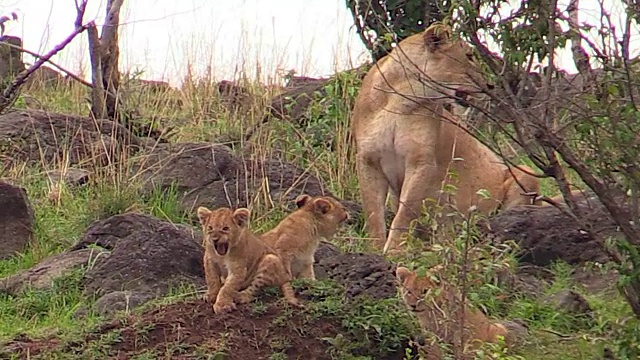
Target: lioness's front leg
419 183
373 190
228 292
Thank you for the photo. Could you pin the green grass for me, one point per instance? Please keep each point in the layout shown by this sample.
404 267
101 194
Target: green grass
59 224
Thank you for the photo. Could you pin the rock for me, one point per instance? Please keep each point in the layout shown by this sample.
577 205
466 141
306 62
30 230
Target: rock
69 176
211 175
595 280
147 255
545 234
355 213
11 63
42 275
528 280
203 174
43 138
116 301
570 302
16 220
293 103
285 180
361 274
44 77
235 98
326 250
518 331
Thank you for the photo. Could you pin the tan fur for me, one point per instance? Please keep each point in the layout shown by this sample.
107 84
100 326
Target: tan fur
577 194
235 259
440 313
406 139
297 237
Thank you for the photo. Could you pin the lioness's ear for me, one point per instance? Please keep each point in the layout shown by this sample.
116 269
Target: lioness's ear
302 199
203 214
241 217
402 273
322 206
436 35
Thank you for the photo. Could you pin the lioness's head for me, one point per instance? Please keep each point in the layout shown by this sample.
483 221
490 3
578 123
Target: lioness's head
221 227
327 212
414 288
447 63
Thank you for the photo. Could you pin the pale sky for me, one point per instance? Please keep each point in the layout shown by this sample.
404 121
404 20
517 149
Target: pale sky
162 37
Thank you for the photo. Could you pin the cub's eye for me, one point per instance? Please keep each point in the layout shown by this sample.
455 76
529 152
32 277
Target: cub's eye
209 228
226 228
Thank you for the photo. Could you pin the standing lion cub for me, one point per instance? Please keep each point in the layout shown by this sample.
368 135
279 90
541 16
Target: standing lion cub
297 236
407 140
231 248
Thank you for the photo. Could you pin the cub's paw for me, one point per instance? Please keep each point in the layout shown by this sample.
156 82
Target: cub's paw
223 306
210 297
295 303
243 297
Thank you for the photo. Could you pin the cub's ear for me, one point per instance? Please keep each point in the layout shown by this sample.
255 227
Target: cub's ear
436 35
203 214
302 199
241 217
402 273
322 206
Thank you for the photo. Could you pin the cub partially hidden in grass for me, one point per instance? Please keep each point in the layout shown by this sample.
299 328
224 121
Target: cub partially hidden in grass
235 259
441 312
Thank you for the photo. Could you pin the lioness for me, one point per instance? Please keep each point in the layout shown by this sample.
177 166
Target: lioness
407 140
441 312
233 254
297 236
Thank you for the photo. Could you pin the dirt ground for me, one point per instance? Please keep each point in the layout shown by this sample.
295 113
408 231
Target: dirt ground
190 330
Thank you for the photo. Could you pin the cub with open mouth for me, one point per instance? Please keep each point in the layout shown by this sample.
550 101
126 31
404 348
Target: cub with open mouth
234 258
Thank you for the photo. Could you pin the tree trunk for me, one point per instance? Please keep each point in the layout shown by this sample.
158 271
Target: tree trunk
105 53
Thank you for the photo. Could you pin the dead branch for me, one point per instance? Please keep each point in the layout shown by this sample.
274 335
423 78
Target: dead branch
98 105
580 56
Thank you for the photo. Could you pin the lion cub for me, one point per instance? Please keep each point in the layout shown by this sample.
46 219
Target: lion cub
297 236
440 315
248 262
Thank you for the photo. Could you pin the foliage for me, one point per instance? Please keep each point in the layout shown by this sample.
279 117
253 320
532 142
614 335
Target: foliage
383 22
589 126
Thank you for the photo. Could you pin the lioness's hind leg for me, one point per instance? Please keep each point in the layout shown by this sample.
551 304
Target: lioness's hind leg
373 190
515 190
